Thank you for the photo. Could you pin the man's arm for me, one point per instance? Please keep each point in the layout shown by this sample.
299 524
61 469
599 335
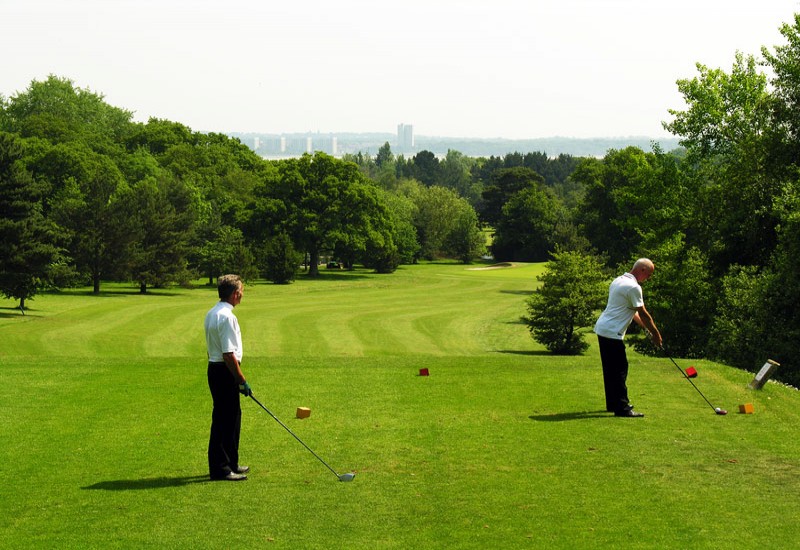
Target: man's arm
233 365
643 318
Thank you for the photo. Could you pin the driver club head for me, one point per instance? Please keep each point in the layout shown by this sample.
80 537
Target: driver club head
347 477
720 411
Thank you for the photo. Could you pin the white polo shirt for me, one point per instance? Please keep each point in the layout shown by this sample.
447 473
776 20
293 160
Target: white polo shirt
222 333
624 296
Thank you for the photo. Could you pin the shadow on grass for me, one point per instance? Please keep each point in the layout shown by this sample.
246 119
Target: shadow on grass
151 293
524 352
147 483
579 415
13 312
517 292
334 275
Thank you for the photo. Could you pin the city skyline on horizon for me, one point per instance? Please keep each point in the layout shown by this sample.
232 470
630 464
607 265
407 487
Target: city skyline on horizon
455 68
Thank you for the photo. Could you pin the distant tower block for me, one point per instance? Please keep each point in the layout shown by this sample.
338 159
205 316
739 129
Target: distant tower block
405 137
309 147
334 146
283 144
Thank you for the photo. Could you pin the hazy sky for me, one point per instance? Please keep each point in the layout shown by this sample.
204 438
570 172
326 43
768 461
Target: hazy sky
457 68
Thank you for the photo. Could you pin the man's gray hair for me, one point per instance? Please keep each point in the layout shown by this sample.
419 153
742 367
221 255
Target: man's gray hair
227 285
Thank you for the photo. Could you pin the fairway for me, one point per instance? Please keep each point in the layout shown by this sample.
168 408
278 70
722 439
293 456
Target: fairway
105 415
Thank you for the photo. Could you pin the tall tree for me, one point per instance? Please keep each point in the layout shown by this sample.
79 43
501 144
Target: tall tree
29 242
785 65
725 130
425 168
631 198
164 211
384 155
56 110
102 227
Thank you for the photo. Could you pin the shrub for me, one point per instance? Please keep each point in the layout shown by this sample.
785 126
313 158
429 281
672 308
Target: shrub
573 289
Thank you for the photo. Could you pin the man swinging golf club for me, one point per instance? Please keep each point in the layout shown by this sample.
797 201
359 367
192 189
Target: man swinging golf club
226 381
625 304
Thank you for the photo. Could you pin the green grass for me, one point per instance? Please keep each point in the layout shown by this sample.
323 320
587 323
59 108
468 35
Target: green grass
104 414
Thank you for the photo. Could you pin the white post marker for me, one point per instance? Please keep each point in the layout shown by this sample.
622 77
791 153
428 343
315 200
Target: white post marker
763 375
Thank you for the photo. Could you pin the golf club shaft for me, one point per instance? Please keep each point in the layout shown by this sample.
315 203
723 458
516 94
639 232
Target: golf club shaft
690 381
285 427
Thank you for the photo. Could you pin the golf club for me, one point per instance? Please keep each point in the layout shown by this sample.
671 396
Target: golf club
716 409
341 477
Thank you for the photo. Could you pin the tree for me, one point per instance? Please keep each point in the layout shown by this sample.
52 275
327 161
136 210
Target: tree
504 184
323 204
59 112
465 241
29 242
165 216
425 168
573 289
101 227
785 98
456 174
526 230
80 141
726 131
631 199
402 212
682 296
280 260
226 252
435 208
384 155
742 320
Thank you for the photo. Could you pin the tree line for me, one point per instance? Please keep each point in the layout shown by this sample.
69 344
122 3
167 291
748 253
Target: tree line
89 195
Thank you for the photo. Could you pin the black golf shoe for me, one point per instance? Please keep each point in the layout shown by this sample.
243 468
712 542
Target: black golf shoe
232 476
629 414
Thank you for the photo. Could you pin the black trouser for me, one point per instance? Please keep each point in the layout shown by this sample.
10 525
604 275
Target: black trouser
615 374
226 421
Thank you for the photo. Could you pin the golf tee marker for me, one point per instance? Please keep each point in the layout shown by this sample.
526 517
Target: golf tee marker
763 375
746 408
303 412
423 372
691 372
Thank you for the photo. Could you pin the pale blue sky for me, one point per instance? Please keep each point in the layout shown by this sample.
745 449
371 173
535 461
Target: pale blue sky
458 68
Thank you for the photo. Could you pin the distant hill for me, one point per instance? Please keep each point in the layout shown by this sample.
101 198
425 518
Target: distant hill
295 144
552 146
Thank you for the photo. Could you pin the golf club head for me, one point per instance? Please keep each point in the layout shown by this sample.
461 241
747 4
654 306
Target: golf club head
347 477
721 412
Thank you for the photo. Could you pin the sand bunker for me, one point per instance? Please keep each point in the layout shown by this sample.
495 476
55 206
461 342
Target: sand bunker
501 265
